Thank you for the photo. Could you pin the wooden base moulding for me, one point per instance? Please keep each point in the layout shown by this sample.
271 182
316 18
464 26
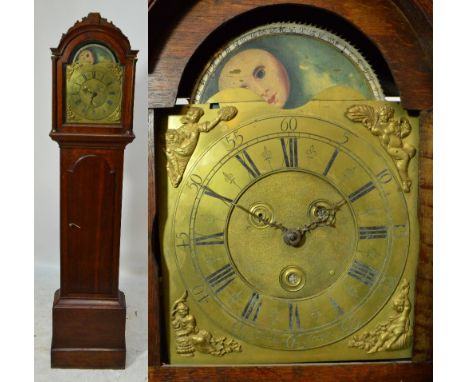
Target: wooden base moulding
88 333
368 372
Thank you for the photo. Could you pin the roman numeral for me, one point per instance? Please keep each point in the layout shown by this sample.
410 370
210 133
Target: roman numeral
252 308
250 166
363 272
290 152
368 187
336 306
221 278
215 238
330 162
294 321
375 232
210 192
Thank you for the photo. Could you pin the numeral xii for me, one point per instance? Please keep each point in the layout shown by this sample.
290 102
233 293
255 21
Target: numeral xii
289 147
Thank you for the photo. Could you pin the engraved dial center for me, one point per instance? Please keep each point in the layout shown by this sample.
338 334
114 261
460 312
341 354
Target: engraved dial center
284 250
94 92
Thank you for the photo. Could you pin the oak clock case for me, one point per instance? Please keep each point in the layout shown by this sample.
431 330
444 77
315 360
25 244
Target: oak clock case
93 86
290 234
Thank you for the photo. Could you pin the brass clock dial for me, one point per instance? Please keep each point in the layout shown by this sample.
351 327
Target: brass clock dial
94 87
290 231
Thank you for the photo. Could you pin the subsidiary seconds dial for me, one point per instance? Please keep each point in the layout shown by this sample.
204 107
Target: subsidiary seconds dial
293 234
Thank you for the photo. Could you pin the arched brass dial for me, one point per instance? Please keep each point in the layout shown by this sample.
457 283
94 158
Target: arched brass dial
94 86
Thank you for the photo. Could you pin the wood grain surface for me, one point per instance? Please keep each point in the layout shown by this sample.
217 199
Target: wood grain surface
423 305
371 372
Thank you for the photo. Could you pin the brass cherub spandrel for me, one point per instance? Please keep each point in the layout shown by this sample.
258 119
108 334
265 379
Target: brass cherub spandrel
189 338
180 143
395 333
391 132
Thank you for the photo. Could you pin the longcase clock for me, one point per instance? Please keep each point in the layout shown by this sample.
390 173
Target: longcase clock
93 71
288 212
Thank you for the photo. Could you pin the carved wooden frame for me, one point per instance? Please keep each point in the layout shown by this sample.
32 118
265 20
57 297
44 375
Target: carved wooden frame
402 31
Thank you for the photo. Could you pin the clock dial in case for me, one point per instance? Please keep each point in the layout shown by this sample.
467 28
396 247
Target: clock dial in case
290 232
94 86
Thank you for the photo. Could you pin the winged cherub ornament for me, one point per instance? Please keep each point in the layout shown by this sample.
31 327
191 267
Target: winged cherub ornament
391 133
180 143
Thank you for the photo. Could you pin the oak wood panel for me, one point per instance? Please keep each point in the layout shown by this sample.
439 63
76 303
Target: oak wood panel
90 179
89 255
426 6
88 333
423 304
419 14
371 372
176 33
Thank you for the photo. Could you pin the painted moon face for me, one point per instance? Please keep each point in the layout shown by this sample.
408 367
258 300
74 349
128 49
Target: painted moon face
259 71
86 57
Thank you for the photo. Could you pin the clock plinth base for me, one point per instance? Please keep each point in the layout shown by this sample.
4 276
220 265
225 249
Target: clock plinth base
88 333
